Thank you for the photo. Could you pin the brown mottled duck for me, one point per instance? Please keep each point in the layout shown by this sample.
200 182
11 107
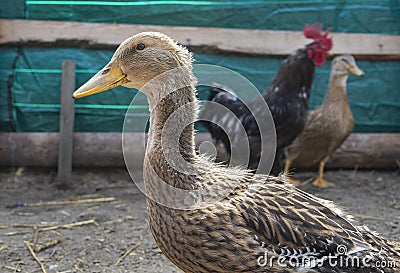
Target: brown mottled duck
257 217
327 126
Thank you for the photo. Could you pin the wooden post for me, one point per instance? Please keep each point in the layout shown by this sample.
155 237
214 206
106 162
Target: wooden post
66 123
201 39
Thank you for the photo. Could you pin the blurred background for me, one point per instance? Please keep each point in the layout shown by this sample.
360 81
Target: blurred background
30 72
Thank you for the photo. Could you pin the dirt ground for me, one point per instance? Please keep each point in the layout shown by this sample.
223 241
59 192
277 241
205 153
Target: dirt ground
106 218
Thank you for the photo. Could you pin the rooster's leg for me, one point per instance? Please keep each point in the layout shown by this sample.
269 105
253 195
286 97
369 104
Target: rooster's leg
319 181
286 173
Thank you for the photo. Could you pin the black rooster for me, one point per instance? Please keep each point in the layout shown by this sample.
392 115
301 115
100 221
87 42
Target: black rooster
287 98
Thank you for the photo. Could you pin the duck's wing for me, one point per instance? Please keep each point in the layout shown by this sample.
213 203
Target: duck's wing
288 221
314 141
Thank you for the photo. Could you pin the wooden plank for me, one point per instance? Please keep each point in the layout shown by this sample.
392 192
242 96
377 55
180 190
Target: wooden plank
368 151
67 114
243 41
371 151
41 149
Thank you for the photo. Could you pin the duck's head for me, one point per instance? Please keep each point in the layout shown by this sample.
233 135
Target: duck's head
344 64
136 61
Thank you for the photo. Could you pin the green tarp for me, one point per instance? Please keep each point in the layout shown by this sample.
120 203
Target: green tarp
30 78
36 89
344 16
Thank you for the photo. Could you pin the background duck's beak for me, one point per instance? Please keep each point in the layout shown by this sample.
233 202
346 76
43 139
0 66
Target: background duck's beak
356 71
109 77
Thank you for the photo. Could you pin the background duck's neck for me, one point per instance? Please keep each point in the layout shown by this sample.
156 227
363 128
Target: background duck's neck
170 148
337 92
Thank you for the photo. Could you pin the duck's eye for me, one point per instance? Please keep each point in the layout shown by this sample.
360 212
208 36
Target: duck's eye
105 71
140 46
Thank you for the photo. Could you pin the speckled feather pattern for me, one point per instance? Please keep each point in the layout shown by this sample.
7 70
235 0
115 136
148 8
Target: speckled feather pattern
259 215
287 97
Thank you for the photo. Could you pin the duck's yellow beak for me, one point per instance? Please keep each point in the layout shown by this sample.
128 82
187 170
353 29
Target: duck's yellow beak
109 77
356 70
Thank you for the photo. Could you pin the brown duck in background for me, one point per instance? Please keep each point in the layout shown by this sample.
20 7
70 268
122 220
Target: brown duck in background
327 126
259 216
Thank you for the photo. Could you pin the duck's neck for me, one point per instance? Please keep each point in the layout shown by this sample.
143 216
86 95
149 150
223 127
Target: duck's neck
170 148
172 122
337 92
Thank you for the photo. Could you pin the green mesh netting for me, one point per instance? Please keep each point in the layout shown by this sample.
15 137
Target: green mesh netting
372 16
30 78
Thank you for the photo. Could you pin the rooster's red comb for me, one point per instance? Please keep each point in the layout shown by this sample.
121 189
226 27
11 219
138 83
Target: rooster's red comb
315 32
